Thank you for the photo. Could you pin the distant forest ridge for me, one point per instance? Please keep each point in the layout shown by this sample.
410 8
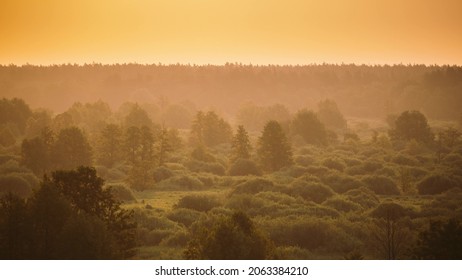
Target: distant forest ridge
359 90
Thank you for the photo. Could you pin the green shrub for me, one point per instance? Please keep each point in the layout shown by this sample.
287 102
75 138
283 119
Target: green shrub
310 234
436 184
305 160
381 185
318 171
121 193
202 203
341 204
207 167
309 190
256 185
334 163
177 239
184 216
363 196
181 182
162 173
244 167
341 183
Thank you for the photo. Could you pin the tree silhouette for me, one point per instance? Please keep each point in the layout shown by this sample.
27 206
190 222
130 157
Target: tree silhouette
110 145
230 238
274 150
388 232
209 129
71 149
241 147
412 125
307 125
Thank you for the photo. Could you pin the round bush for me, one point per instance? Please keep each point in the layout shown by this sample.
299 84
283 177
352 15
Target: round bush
310 191
436 184
381 185
341 183
181 182
162 173
122 193
363 196
207 167
334 163
184 216
244 167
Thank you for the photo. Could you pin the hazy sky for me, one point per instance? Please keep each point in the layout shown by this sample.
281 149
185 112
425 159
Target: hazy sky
217 31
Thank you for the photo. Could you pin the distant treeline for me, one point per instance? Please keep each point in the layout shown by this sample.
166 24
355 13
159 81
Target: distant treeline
359 90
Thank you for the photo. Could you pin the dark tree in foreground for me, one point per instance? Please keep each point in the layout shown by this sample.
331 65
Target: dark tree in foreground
230 238
412 125
274 150
441 241
70 217
388 232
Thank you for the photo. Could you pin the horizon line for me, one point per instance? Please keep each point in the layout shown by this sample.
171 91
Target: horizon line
160 64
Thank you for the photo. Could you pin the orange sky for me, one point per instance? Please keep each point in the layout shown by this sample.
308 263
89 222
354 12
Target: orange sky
218 31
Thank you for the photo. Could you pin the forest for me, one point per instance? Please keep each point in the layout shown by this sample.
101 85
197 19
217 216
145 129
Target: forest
236 161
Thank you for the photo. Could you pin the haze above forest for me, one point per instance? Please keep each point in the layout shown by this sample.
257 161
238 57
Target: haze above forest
359 90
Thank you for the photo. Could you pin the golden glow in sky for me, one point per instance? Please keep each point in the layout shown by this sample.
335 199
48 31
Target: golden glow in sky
219 31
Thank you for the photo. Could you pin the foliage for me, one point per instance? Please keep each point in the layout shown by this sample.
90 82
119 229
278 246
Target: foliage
110 149
274 150
244 167
121 193
381 185
330 115
309 127
436 184
230 238
241 147
310 190
209 129
441 240
412 125
71 149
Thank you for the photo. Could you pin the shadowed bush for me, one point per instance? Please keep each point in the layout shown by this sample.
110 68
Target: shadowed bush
381 185
334 163
162 173
184 216
207 167
121 193
181 182
341 183
436 184
244 167
363 196
310 190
